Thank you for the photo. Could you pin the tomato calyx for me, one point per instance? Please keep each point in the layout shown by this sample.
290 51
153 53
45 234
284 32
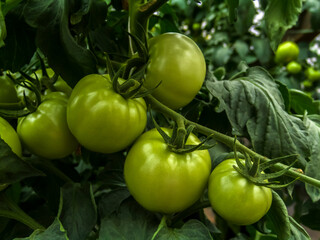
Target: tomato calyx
253 170
177 141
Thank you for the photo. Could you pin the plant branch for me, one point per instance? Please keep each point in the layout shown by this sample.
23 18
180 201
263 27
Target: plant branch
229 141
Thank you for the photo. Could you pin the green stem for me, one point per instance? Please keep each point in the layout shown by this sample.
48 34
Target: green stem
15 212
229 141
162 224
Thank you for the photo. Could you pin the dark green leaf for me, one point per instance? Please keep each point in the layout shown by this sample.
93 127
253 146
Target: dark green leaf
191 230
261 47
278 215
232 5
313 166
54 232
13 168
242 48
246 13
54 38
130 222
255 107
78 212
279 17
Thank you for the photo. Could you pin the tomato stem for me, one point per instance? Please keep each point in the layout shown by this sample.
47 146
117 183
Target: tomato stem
230 142
162 224
11 210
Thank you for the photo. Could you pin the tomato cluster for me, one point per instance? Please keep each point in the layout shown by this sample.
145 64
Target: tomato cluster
99 118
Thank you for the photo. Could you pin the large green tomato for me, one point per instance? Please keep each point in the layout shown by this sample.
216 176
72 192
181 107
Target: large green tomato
45 132
8 93
286 52
10 136
178 63
235 198
164 181
101 119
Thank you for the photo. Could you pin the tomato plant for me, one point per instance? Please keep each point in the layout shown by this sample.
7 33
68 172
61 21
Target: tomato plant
101 119
287 51
45 132
312 74
162 180
234 197
178 65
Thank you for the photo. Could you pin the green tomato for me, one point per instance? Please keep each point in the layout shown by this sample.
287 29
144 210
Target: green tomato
8 93
10 136
60 85
286 52
101 119
177 63
161 180
235 198
294 67
312 74
45 132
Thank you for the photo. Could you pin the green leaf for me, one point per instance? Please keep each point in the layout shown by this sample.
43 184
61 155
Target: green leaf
297 231
278 215
78 212
255 108
130 222
279 17
54 232
311 215
313 166
191 230
232 6
246 13
301 102
13 168
54 38
261 47
242 48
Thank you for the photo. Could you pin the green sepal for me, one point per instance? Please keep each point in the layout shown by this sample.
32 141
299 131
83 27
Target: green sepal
141 46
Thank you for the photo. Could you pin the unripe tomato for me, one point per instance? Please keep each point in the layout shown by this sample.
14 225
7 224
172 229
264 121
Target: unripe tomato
101 119
287 51
234 197
293 67
8 93
10 136
178 63
312 74
45 132
164 181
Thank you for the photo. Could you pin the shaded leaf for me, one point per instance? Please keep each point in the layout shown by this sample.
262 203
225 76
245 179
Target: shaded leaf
78 212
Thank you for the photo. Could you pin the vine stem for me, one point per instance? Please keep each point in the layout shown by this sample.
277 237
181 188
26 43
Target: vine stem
229 141
162 224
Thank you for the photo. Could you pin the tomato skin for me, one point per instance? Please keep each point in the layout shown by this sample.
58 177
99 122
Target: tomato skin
164 181
101 119
294 67
286 52
8 93
312 74
10 136
235 198
177 62
45 132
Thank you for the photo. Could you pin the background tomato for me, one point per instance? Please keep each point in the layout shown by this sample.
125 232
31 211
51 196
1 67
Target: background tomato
294 67
101 119
164 181
45 132
286 52
8 93
312 74
235 198
177 62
